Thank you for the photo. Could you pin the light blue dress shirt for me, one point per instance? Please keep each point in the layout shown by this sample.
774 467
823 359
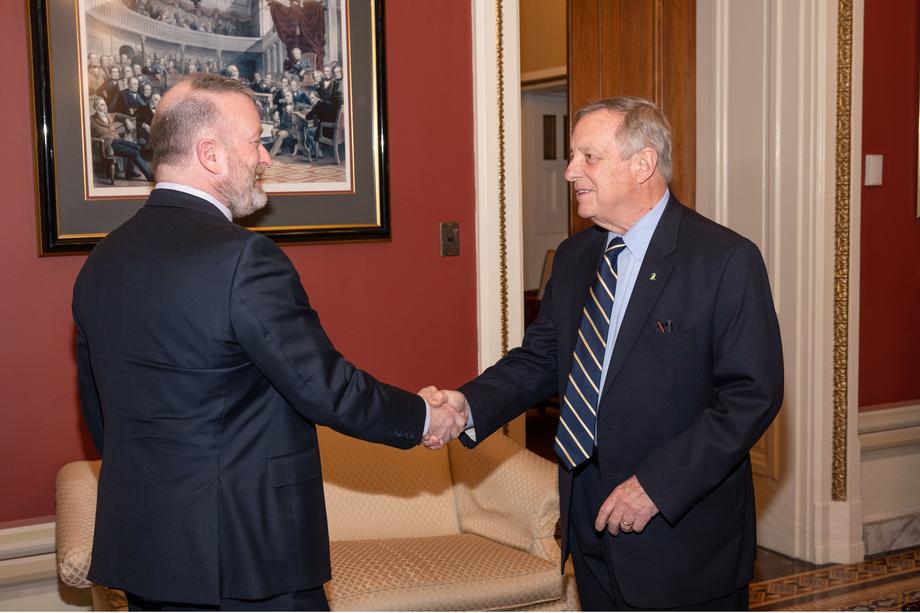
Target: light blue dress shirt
628 264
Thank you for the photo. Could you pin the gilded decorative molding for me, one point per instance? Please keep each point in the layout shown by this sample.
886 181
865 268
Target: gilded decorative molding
502 214
842 248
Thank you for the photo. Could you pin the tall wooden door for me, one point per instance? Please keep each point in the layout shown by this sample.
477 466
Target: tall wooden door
638 48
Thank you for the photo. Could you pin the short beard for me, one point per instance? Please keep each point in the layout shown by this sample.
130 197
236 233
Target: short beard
243 199
249 202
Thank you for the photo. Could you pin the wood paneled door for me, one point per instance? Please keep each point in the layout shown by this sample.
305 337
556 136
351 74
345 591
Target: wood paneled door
639 48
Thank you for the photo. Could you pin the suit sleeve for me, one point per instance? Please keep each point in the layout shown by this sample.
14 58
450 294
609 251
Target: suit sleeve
282 335
519 380
748 381
89 395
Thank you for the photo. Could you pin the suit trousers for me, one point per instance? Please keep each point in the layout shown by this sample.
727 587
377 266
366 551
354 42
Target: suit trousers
594 571
306 600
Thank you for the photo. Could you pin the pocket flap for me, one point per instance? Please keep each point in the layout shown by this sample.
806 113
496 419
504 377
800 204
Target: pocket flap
294 468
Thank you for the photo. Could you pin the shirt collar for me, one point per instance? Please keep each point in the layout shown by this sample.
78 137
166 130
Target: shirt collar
639 236
179 187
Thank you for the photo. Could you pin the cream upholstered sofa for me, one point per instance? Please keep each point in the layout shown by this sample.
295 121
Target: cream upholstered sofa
456 529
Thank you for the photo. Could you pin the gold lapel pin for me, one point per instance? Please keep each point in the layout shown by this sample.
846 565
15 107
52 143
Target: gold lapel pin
652 278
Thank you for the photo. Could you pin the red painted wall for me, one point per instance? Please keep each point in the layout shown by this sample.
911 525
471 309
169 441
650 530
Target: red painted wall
889 322
374 298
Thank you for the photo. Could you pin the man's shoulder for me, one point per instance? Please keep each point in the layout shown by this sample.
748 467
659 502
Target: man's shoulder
176 236
704 233
175 213
706 243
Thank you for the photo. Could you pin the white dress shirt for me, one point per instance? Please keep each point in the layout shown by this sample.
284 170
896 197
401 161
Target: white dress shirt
179 187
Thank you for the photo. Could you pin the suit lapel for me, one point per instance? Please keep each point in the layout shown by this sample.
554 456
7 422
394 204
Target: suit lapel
653 274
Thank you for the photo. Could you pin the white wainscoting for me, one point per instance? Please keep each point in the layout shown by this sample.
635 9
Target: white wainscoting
890 465
28 572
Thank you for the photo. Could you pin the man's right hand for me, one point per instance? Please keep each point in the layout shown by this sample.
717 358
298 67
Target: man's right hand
444 403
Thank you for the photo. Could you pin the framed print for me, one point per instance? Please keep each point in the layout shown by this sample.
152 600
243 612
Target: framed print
316 71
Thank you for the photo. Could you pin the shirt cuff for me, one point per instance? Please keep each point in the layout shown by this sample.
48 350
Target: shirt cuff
470 429
427 419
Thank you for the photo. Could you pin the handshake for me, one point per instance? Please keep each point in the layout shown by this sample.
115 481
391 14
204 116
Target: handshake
450 414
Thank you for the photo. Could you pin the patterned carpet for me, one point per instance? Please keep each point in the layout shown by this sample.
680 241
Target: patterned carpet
288 169
885 583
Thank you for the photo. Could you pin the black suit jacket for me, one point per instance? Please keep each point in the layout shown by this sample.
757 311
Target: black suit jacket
679 409
109 92
203 371
128 102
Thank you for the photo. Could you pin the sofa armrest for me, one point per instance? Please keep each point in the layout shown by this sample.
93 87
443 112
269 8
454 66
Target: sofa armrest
507 494
75 494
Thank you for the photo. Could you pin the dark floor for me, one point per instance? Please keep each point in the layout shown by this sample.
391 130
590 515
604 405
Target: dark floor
771 565
884 582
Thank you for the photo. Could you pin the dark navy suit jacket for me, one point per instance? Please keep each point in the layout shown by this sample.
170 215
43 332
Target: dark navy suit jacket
203 371
679 409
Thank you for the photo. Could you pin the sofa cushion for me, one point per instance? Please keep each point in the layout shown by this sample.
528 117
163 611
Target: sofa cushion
375 491
506 494
448 573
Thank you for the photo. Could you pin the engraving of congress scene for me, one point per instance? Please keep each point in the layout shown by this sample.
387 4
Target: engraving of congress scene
293 54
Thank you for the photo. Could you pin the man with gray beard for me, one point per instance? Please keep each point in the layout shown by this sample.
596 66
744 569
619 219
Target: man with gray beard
203 372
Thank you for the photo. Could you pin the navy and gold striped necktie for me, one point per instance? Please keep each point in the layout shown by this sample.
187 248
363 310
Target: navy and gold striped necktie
578 413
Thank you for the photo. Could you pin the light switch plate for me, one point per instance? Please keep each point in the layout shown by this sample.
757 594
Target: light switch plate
873 170
450 238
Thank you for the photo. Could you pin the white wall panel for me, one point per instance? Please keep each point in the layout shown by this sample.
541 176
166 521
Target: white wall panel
766 72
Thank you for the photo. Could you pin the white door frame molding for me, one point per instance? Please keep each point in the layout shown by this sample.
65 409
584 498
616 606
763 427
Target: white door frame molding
497 126
779 122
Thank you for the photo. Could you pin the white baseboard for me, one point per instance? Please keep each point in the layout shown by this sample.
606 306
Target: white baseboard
26 540
45 596
892 533
842 553
878 518
842 540
887 426
890 434
28 572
